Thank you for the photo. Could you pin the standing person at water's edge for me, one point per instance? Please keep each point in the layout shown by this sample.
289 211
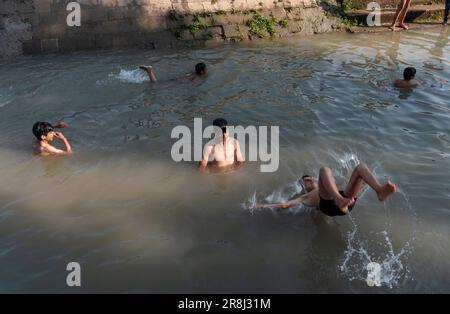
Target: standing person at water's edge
447 8
45 133
225 151
200 71
325 195
400 14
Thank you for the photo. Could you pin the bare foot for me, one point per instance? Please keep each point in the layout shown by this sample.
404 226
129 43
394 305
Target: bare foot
404 26
386 190
392 28
146 68
344 203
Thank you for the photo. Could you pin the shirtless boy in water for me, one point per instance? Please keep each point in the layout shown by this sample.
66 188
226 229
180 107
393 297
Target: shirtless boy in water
408 79
200 71
325 196
45 133
225 152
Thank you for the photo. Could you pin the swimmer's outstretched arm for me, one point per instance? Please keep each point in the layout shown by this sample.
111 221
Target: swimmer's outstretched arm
288 204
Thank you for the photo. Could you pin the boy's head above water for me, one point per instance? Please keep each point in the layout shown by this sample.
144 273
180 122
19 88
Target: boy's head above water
200 69
43 131
409 73
309 183
221 123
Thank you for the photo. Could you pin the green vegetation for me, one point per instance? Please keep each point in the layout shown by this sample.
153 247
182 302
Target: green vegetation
175 16
283 23
259 25
436 16
342 12
196 26
345 5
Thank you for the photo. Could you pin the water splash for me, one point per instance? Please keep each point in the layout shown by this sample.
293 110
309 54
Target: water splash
280 195
373 268
136 76
346 162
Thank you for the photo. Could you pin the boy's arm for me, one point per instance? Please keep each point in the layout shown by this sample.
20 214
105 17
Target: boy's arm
68 148
291 203
204 162
50 150
237 147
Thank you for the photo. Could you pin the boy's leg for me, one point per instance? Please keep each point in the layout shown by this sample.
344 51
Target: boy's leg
397 13
447 8
149 70
329 191
362 173
327 186
403 14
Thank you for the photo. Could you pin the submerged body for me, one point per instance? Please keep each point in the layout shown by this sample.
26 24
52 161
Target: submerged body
45 133
224 152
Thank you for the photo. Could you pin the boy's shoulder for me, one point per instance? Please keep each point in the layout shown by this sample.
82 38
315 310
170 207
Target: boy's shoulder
42 148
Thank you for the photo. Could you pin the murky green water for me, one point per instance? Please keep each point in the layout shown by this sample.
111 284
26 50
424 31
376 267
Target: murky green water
138 222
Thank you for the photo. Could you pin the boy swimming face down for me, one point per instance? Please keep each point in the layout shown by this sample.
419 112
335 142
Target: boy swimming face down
408 79
45 133
325 196
200 71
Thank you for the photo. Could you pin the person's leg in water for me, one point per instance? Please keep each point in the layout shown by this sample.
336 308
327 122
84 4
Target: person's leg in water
329 191
362 173
447 8
149 70
400 7
403 14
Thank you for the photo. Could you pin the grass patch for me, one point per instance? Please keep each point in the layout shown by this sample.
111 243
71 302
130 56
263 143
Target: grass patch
196 26
342 12
283 23
259 25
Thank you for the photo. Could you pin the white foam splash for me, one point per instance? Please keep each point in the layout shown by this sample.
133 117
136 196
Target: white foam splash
280 195
375 270
347 162
250 203
136 76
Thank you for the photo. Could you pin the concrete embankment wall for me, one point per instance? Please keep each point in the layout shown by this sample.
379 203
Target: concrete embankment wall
35 26
40 26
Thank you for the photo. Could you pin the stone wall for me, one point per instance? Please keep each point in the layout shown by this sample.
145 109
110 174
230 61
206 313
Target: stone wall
15 26
36 26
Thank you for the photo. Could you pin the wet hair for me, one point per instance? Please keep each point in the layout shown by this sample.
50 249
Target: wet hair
42 128
221 123
409 73
200 68
306 176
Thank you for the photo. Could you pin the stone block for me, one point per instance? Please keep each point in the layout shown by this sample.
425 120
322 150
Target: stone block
50 45
233 30
32 46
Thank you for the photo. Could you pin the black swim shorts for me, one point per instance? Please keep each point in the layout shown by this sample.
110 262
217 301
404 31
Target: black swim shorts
329 208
